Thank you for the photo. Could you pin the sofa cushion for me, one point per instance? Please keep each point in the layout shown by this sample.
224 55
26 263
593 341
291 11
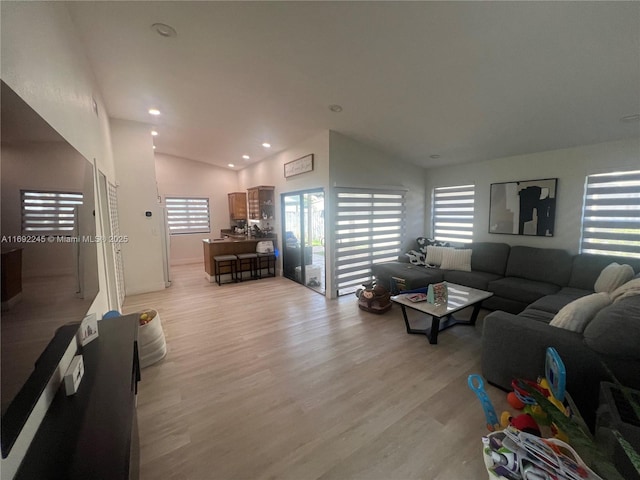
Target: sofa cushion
434 254
472 279
522 289
587 267
613 276
489 257
554 303
415 257
424 242
414 276
576 315
535 314
548 265
456 259
615 330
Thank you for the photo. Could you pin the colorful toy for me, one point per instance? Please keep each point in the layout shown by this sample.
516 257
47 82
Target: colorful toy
476 384
373 298
514 401
555 374
524 422
514 455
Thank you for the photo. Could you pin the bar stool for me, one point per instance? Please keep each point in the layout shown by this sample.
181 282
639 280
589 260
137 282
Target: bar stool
225 261
265 251
245 259
270 262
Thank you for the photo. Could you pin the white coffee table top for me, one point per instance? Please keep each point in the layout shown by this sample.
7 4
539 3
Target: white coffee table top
459 297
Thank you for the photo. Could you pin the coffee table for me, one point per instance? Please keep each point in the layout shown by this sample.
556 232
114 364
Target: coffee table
442 314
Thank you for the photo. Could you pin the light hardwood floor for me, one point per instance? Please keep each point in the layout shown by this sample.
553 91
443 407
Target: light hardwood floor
269 380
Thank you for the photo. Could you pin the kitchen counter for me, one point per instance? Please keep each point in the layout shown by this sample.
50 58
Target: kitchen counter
231 245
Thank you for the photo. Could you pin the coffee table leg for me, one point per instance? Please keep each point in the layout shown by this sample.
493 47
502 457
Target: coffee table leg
435 328
430 333
406 319
474 314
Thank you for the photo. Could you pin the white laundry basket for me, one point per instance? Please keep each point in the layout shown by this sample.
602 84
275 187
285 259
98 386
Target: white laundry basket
152 346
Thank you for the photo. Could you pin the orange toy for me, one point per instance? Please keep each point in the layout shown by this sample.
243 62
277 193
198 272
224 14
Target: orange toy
514 401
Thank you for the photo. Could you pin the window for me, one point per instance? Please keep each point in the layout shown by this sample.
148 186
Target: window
369 228
50 213
452 213
611 214
187 215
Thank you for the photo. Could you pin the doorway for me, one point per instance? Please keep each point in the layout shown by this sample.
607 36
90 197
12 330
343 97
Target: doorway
108 250
303 251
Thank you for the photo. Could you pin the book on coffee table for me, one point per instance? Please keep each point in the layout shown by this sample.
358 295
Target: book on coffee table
417 297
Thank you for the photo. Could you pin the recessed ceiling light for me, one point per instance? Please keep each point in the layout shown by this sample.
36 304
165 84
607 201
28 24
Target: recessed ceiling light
154 111
631 118
335 108
266 145
154 133
435 156
164 30
231 165
154 147
246 157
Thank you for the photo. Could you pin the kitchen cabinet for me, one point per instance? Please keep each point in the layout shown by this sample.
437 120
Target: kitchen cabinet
261 203
238 206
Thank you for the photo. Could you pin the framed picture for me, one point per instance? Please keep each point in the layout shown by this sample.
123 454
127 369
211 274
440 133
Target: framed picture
526 207
88 329
301 165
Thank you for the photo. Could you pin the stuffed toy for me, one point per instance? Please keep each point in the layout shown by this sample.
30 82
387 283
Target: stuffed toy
374 299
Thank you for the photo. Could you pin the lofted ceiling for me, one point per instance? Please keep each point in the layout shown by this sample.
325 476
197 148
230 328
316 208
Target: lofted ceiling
465 81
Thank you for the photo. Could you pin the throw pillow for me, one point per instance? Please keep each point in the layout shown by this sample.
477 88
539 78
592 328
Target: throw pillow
434 255
415 258
629 289
424 242
612 276
456 259
575 316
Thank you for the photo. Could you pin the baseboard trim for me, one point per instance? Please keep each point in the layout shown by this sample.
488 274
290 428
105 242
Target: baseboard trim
150 288
186 261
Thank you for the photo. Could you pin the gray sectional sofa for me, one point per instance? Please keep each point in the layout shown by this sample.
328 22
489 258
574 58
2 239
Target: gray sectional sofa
516 275
514 346
530 286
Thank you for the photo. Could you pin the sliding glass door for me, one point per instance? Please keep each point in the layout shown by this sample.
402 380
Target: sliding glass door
303 258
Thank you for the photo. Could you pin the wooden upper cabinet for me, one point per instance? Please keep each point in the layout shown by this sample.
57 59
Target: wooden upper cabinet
238 206
261 203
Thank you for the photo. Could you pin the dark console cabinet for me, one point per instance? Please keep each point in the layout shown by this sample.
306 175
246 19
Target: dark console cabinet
93 434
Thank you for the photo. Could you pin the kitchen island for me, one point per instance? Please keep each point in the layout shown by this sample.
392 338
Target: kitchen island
230 245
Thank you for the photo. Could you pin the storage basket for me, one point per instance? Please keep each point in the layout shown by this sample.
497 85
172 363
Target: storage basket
152 345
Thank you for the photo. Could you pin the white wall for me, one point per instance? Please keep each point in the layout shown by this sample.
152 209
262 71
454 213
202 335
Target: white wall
570 166
137 194
271 172
42 60
339 161
354 164
182 177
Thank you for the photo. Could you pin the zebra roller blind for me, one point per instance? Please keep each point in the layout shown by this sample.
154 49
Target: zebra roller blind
453 211
369 228
50 213
611 214
187 215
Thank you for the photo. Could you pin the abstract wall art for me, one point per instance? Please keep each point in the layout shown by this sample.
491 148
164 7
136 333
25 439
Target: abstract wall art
524 208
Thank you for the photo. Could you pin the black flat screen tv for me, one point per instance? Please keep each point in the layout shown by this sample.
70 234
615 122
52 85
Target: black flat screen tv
50 268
